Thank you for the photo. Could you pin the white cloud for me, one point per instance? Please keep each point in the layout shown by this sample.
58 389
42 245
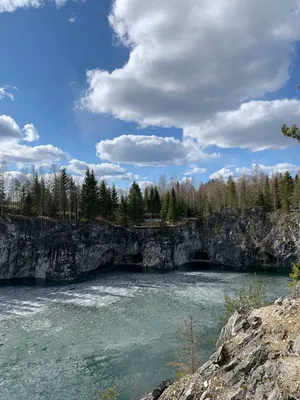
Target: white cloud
31 133
145 183
187 180
267 169
12 151
73 18
222 173
191 59
255 125
6 90
195 171
104 171
9 129
152 150
13 5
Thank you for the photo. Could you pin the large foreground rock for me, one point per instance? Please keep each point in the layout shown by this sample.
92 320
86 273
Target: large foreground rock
43 248
257 358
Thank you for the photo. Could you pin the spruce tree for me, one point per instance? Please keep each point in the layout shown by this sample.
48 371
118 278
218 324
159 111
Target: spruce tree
295 198
105 206
165 206
276 194
231 193
36 195
114 202
135 203
122 214
286 191
147 200
63 189
172 214
267 195
89 195
156 201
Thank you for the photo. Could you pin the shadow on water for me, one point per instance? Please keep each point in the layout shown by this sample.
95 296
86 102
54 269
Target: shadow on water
130 269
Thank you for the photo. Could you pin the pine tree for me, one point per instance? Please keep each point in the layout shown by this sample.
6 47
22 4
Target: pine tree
135 203
286 191
89 195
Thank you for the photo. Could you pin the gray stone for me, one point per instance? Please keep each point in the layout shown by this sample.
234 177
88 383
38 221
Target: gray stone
62 250
279 301
296 346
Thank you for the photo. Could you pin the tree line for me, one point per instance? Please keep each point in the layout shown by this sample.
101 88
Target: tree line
58 195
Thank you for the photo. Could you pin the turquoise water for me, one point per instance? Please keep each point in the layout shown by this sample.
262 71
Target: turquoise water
65 342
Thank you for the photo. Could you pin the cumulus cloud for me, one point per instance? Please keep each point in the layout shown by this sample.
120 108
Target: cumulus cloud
31 133
12 151
152 150
6 90
191 59
13 5
267 169
104 171
195 171
9 129
255 125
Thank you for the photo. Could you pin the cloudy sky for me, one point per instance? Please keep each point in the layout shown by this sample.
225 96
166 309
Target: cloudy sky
139 88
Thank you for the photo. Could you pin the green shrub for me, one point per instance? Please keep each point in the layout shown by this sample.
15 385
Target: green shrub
109 394
295 275
253 296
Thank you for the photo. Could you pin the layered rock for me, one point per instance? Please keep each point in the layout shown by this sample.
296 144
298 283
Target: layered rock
257 358
43 248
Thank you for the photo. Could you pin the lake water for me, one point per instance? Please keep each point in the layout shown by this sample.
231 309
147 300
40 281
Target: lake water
65 342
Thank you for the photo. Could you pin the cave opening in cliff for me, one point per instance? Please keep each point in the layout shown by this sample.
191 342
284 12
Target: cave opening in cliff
136 258
201 256
267 258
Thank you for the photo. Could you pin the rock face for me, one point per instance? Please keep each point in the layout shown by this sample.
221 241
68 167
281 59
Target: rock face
257 358
47 249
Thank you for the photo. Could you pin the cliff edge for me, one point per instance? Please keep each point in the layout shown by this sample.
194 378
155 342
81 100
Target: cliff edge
60 250
257 358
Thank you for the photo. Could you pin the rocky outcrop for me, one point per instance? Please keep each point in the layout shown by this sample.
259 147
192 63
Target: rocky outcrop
257 358
48 249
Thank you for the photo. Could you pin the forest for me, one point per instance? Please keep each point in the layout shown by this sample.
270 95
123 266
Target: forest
57 195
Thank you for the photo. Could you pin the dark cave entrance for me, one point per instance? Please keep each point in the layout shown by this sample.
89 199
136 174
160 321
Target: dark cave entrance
201 256
133 259
267 258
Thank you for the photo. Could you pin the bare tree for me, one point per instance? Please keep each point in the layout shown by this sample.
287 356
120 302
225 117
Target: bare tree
2 185
187 360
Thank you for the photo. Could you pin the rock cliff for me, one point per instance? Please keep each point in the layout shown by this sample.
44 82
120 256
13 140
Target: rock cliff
47 249
257 358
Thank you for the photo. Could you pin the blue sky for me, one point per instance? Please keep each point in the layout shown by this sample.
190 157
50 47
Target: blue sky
184 89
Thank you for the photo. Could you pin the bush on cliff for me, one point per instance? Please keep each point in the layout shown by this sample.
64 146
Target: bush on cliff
109 394
253 296
295 274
